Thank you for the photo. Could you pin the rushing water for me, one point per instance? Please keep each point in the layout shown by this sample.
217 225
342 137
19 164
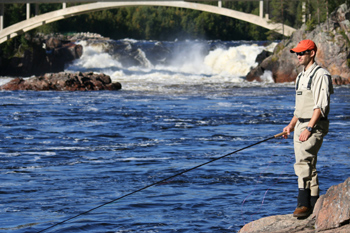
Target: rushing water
64 153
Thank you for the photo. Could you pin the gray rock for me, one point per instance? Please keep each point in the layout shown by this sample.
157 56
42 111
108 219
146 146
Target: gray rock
64 82
333 41
40 56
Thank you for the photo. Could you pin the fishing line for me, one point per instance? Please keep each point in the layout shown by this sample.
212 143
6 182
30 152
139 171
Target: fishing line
245 199
161 181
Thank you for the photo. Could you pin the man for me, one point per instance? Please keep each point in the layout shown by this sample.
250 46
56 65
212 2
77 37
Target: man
310 124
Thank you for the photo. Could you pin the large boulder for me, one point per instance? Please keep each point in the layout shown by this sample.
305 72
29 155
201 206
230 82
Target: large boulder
64 82
331 215
333 209
40 56
332 39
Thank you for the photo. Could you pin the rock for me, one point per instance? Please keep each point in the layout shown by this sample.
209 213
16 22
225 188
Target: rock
261 56
64 82
337 80
334 207
61 55
53 43
40 56
332 39
331 215
278 224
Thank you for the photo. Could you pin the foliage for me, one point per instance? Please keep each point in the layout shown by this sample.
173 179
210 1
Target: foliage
310 25
14 47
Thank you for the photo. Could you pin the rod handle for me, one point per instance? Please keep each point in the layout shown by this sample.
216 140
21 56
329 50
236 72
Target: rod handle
281 134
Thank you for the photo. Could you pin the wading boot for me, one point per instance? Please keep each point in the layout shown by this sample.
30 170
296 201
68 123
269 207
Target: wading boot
303 209
313 201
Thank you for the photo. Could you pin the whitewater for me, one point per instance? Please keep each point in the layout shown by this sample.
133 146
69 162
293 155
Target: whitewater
192 63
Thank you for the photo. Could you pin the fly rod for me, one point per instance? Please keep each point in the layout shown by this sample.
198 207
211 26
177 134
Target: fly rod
162 181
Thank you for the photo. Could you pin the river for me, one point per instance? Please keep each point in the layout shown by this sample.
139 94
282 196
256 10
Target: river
64 153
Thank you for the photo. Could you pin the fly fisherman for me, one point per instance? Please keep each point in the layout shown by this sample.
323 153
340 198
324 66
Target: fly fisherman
310 124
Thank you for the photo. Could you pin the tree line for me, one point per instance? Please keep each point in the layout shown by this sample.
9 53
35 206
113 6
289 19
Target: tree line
169 23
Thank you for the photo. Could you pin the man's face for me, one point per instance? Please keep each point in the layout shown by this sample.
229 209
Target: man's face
305 57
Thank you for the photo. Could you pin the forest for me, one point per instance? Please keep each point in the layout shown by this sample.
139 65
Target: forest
169 23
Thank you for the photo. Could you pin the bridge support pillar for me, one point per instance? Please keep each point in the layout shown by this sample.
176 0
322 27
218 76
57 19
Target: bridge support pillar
36 9
64 5
220 3
28 10
261 9
2 10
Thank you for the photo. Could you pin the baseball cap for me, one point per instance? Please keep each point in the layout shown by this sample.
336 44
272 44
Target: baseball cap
303 46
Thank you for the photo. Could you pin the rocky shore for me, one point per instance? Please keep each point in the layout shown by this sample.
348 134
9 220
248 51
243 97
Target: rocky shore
333 41
39 55
46 57
331 215
64 82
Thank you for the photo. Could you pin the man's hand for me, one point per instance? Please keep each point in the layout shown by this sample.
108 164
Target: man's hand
304 135
290 127
287 129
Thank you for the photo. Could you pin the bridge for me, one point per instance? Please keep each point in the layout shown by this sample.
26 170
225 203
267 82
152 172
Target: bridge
46 18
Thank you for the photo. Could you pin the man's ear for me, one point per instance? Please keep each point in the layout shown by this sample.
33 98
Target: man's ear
313 54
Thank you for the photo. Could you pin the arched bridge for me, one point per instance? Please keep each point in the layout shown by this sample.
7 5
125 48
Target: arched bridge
65 12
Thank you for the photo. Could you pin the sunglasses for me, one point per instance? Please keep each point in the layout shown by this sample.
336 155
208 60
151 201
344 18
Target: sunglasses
302 53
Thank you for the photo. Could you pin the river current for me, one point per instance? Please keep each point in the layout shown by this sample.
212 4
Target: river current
65 153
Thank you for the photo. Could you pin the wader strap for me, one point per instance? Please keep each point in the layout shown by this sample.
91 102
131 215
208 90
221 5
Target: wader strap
310 79
298 79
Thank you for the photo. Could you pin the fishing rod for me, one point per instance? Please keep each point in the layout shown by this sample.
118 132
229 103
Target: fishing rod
162 181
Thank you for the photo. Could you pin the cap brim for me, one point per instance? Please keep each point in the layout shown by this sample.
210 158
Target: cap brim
297 50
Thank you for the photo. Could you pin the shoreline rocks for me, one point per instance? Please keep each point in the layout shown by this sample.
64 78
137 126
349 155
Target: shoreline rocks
62 81
332 39
331 215
39 55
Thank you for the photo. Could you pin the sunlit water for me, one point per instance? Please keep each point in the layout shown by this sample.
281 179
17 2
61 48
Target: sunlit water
64 153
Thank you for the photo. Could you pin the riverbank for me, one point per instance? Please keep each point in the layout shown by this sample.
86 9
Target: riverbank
331 215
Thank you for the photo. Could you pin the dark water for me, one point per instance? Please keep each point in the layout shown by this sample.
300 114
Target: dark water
63 153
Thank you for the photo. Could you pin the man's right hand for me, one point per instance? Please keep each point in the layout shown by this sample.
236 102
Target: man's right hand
287 129
290 128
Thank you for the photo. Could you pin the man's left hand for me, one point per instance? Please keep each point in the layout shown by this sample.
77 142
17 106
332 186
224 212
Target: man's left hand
304 135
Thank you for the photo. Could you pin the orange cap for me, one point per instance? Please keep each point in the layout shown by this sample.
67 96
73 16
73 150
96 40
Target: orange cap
303 46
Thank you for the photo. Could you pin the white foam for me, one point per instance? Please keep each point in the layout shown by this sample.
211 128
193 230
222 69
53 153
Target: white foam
4 80
189 67
94 57
267 77
234 61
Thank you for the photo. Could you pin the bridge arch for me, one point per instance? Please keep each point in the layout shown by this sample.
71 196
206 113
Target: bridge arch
37 21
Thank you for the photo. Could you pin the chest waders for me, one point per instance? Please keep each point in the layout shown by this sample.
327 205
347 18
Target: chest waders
304 100
306 151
